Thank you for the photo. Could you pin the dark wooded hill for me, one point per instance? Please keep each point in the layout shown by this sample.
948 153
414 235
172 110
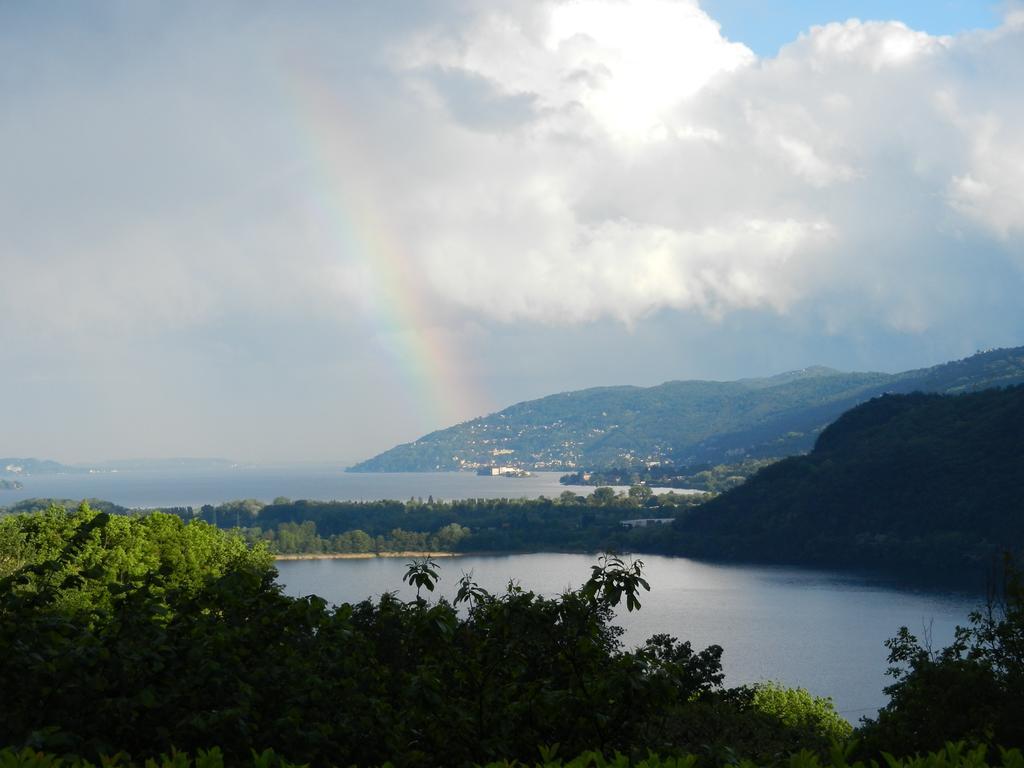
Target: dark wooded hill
900 480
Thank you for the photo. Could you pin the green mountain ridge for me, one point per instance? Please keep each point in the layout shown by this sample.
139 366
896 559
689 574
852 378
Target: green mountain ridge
912 479
680 422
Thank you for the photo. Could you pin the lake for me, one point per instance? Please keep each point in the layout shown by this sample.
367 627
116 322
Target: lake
823 631
819 630
194 487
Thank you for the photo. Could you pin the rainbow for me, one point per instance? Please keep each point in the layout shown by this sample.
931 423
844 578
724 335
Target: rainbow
433 373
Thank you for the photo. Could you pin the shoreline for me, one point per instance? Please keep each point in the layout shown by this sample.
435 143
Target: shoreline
363 555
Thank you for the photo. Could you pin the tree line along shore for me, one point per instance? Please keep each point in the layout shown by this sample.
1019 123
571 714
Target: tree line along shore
141 636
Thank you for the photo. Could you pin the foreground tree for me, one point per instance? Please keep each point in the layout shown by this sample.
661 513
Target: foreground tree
144 635
972 690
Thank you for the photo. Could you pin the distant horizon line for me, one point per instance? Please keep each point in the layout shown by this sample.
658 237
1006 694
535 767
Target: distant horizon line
124 463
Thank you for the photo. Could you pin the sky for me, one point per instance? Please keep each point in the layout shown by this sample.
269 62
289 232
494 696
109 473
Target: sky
309 231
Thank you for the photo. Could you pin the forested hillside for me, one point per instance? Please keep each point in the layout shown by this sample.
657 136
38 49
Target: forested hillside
144 635
137 637
901 479
679 423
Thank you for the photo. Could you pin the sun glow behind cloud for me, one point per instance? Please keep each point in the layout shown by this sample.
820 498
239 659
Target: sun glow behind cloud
625 148
661 165
649 56
498 169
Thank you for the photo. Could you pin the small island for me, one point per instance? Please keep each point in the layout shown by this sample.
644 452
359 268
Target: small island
10 485
503 472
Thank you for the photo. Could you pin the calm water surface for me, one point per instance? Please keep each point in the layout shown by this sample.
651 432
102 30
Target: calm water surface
193 488
819 630
823 631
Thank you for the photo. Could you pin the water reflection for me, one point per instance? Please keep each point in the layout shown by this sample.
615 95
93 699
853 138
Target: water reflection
820 630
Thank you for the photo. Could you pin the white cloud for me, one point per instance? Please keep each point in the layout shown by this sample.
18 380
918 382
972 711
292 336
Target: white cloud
654 143
554 161
626 64
879 45
628 269
991 190
237 213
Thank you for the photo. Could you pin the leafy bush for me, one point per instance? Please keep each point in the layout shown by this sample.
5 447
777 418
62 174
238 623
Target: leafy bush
145 634
972 690
797 708
76 561
953 755
139 636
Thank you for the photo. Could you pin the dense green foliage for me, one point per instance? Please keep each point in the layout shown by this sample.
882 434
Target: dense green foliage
143 635
303 539
953 755
916 480
112 643
973 689
798 709
680 423
76 562
712 479
568 523
41 505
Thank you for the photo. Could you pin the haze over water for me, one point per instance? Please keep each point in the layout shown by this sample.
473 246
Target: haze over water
195 487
